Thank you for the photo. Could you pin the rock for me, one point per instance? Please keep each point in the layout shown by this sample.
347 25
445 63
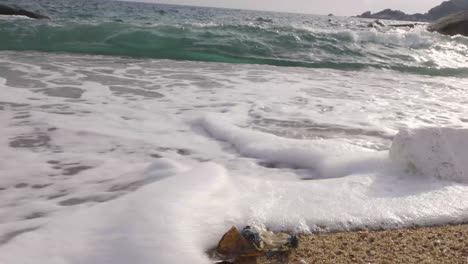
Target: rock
377 23
367 14
390 14
456 24
444 9
447 8
411 25
266 20
13 11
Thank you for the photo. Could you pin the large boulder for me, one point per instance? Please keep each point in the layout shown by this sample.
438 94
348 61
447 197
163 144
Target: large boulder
14 11
456 24
447 8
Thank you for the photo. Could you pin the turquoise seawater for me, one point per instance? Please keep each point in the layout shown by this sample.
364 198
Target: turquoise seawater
145 30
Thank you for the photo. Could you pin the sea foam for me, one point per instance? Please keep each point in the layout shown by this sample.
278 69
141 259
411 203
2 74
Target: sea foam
328 159
119 175
186 209
433 152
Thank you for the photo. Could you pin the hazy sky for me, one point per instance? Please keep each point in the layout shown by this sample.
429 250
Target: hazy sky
337 7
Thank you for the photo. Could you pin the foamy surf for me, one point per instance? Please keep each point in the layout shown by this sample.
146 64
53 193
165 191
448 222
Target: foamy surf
433 152
186 209
109 159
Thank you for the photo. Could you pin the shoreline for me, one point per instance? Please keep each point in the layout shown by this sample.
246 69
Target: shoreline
437 244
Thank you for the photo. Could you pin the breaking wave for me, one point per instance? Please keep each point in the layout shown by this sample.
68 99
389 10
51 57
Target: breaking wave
416 51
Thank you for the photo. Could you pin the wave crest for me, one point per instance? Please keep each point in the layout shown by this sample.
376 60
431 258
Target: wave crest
416 51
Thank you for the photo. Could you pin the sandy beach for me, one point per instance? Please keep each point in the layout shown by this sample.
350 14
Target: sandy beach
445 244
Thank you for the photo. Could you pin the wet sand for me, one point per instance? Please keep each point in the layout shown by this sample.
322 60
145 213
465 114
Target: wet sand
445 244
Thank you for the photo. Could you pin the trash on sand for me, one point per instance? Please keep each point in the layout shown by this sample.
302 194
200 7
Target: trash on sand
252 243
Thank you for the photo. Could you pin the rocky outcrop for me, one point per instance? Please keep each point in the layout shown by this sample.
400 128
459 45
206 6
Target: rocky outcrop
13 11
390 14
446 8
456 24
442 10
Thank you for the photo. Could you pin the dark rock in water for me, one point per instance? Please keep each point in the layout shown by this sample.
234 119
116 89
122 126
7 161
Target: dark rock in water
377 23
405 25
266 20
456 24
13 11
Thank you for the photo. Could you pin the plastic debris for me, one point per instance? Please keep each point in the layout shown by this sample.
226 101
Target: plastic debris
252 243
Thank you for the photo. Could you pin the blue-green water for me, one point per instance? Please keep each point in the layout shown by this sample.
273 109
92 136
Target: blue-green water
235 36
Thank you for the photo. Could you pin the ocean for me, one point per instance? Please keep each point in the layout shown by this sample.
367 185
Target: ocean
140 133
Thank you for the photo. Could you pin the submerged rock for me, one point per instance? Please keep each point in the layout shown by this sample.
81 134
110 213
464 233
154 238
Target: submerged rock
13 11
456 24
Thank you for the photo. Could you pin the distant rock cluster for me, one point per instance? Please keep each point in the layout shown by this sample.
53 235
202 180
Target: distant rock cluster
442 10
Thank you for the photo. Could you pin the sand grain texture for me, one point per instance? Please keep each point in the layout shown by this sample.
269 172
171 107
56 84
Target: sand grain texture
446 244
